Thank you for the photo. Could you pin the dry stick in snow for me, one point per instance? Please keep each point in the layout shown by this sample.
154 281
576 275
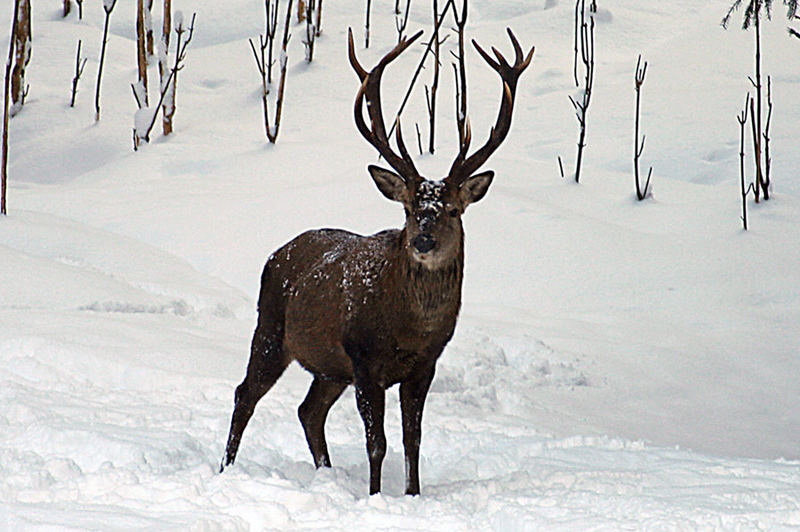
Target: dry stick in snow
793 32
265 69
80 9
767 157
742 119
753 16
79 66
143 134
641 71
22 56
319 18
311 30
6 93
180 54
271 15
163 65
756 147
400 22
421 63
461 76
141 50
585 32
760 184
148 26
108 7
430 95
272 129
366 26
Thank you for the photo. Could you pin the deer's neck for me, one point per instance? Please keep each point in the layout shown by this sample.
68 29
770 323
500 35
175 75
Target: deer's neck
431 294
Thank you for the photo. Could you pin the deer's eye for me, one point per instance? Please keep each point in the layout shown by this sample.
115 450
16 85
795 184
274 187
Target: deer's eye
453 212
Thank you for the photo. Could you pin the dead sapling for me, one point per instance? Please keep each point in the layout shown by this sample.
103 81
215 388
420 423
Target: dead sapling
80 9
263 66
584 49
432 91
168 98
163 62
366 24
311 30
793 32
80 64
146 116
460 69
420 66
745 188
752 15
638 148
22 56
6 93
319 18
767 156
263 54
108 7
67 8
141 52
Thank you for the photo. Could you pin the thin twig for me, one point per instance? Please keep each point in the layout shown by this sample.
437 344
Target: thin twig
638 148
79 66
745 190
419 67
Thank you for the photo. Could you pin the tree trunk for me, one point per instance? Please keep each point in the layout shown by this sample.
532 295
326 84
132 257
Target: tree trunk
6 91
163 64
141 50
22 55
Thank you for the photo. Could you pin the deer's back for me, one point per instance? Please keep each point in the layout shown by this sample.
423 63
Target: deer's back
314 287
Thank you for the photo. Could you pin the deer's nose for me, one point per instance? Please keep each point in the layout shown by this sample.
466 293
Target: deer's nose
424 242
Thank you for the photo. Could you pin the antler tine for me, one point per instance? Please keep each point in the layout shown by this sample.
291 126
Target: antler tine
351 52
400 144
492 63
463 166
376 134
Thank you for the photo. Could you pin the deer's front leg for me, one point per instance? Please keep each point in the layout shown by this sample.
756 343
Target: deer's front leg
371 405
412 400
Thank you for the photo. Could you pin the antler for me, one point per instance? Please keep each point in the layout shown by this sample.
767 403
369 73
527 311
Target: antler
464 167
371 91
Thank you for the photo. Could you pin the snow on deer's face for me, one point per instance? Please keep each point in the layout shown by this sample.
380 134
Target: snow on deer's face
434 234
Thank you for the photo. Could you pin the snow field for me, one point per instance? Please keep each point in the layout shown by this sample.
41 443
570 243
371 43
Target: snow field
617 366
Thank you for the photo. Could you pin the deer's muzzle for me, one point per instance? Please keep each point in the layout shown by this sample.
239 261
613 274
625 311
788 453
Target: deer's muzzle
424 242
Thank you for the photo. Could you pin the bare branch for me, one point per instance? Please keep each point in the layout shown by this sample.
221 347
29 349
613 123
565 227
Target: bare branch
638 147
79 66
742 119
108 7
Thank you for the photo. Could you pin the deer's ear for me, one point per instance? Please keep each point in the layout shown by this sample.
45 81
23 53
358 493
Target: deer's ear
475 187
390 184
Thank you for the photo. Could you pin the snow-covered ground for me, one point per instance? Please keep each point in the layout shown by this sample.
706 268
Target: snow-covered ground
618 365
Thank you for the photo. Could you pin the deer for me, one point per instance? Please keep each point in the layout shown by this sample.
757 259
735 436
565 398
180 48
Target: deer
373 311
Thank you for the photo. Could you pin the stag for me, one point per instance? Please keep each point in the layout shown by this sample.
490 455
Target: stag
373 311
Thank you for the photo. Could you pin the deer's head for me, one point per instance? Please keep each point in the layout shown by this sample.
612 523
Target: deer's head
433 229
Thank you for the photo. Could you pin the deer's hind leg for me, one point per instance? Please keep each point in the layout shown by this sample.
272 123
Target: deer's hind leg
313 412
267 363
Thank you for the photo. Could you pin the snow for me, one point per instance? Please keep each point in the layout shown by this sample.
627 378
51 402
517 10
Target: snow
617 364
